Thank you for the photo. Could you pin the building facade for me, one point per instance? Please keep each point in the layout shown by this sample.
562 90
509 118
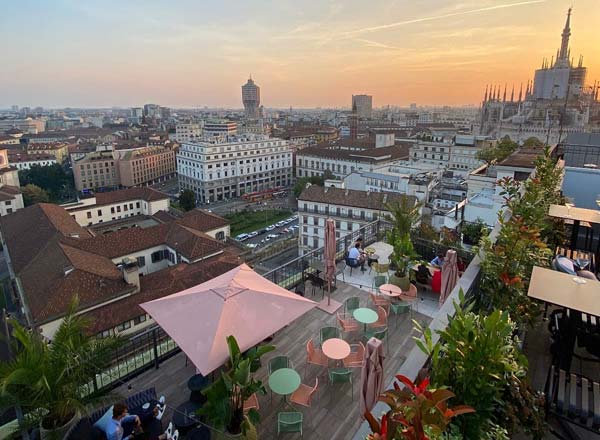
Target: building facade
363 105
251 99
96 170
219 128
187 131
148 165
11 199
228 167
24 161
27 125
60 150
351 209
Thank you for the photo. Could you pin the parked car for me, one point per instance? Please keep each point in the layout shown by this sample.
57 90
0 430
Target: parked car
252 234
270 228
262 231
252 245
242 237
280 224
272 235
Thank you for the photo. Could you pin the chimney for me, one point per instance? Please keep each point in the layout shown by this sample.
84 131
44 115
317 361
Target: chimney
131 273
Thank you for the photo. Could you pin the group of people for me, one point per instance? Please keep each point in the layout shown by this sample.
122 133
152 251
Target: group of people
423 274
357 257
124 426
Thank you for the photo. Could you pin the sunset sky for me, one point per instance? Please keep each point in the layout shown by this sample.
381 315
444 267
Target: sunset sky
301 53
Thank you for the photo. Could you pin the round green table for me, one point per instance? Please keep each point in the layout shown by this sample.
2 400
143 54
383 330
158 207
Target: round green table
284 381
365 316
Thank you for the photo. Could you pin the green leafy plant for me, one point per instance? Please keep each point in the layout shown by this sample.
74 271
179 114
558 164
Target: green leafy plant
224 408
51 381
417 412
187 200
473 232
479 361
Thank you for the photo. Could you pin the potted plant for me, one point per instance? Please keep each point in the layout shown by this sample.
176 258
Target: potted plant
224 408
472 232
51 381
402 256
416 412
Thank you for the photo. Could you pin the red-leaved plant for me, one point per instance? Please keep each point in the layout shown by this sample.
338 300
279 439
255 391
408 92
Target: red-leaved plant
416 411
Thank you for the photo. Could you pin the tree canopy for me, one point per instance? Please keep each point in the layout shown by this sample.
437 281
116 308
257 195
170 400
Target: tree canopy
313 180
187 200
52 178
33 194
498 152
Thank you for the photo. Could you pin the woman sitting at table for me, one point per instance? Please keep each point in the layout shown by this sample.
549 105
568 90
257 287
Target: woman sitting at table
423 274
438 260
356 258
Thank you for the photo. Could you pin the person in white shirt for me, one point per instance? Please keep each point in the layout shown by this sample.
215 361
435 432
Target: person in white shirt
357 256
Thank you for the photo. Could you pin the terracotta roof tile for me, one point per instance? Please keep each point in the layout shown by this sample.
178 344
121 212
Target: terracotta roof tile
124 195
349 197
201 220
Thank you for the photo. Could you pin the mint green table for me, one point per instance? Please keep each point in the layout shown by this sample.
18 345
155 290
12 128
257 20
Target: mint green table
284 381
365 316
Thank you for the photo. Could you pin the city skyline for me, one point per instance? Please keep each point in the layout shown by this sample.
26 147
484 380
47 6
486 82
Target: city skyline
434 53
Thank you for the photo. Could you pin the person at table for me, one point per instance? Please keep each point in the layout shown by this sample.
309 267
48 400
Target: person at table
355 255
438 260
423 274
359 242
114 430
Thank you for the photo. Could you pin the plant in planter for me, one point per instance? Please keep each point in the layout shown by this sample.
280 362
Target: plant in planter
224 408
480 362
403 255
416 412
50 381
472 232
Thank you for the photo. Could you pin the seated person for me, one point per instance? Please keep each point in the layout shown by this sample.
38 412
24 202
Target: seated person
438 260
114 430
460 264
358 242
423 275
354 255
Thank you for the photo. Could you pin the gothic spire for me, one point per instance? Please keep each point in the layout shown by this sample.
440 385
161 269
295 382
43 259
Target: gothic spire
512 94
566 33
486 93
521 93
504 96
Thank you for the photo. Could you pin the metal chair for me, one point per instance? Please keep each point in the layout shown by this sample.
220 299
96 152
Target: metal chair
329 333
378 280
314 356
303 395
347 322
398 308
251 403
356 357
381 334
379 300
351 304
342 375
289 422
279 362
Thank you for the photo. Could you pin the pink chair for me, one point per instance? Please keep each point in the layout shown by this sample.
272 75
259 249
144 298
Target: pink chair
251 403
379 300
356 357
315 356
381 319
347 322
303 395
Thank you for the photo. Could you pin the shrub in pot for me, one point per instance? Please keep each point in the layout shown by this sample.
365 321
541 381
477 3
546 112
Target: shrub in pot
50 381
224 408
403 256
472 232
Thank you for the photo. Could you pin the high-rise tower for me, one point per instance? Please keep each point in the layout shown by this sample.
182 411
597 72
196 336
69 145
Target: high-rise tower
251 99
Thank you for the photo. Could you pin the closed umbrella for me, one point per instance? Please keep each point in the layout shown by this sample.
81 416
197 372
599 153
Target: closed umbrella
240 303
371 379
329 253
449 275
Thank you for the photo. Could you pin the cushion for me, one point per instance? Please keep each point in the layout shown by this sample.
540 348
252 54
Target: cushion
103 422
565 265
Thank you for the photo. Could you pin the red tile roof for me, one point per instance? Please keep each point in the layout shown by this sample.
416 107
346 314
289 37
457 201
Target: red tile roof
124 195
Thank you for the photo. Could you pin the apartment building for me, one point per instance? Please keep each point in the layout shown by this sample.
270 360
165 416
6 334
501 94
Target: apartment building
351 209
51 257
11 199
146 165
435 152
187 131
230 166
9 140
220 128
60 150
96 170
464 151
109 168
27 125
23 161
114 205
344 158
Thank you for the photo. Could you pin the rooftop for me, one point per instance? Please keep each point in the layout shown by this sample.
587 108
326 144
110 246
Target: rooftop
349 197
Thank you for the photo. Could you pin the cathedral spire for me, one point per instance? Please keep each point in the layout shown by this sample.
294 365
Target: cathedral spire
504 96
512 94
521 93
566 33
486 93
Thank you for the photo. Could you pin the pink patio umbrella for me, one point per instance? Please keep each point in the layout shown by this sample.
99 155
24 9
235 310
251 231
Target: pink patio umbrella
329 253
449 275
371 378
239 302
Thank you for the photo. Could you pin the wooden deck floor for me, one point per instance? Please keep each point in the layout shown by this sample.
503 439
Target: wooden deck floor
335 414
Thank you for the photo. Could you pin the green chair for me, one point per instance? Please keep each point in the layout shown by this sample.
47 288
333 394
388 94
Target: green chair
289 422
378 280
351 304
329 333
279 362
399 307
381 334
342 375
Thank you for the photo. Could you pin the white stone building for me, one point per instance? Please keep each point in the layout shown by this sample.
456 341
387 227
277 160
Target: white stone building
228 167
188 131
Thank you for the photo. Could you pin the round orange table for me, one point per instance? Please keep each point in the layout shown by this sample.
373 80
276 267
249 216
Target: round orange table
336 349
390 290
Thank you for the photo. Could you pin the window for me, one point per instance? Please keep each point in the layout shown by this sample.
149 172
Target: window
124 207
157 256
137 205
131 206
220 235
89 214
100 213
118 209
141 261
124 326
139 319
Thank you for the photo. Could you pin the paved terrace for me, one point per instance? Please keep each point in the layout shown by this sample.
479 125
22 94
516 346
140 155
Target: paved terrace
334 414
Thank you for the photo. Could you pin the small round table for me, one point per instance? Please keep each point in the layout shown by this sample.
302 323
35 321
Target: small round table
390 290
196 384
336 349
365 316
284 381
372 258
184 417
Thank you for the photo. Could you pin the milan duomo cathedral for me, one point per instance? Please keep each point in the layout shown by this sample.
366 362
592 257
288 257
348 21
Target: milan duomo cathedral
556 103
